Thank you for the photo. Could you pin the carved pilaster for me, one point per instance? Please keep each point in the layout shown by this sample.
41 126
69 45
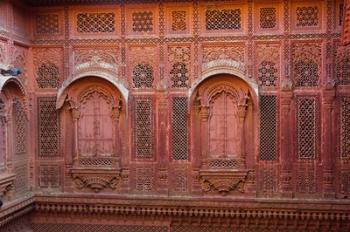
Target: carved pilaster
328 142
204 116
286 141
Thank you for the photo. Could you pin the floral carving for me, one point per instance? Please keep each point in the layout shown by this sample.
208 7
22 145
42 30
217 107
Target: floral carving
96 179
223 182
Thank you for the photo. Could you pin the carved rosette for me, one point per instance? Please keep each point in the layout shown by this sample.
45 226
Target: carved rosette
96 180
223 181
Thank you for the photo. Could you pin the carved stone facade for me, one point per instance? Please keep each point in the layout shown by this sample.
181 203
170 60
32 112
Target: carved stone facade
175 116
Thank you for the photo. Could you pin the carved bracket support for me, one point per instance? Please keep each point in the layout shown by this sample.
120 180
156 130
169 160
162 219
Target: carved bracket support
6 184
223 181
96 180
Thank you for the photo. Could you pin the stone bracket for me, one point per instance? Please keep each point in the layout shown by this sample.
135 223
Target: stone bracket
96 179
223 181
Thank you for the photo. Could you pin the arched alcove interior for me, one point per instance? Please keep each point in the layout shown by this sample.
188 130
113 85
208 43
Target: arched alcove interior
223 109
94 114
94 121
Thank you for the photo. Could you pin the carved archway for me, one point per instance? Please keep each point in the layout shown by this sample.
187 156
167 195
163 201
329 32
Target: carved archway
13 121
224 119
94 113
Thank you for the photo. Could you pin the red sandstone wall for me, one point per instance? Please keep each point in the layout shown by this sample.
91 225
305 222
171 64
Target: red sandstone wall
161 138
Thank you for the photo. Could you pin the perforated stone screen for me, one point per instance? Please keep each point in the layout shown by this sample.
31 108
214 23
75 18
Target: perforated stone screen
345 128
307 127
143 127
96 22
48 127
179 129
224 19
268 127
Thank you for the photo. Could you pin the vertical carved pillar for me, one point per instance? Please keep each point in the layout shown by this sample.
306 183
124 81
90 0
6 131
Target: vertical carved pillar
163 139
204 116
75 116
328 143
286 143
242 112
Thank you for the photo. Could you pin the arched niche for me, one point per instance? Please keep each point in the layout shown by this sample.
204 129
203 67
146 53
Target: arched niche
94 118
224 132
13 130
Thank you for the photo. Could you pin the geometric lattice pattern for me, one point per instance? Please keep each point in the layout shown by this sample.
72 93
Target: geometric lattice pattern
268 127
48 127
267 17
343 70
179 129
95 22
48 76
200 229
306 179
142 21
143 76
306 73
345 128
179 75
49 176
307 16
20 127
307 127
95 228
267 73
144 179
143 128
268 180
345 182
180 180
21 181
224 19
178 21
47 24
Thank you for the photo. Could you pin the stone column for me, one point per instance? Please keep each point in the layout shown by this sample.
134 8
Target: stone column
327 155
204 116
286 160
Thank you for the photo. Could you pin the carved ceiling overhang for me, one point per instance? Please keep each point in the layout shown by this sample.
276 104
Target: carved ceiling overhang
5 80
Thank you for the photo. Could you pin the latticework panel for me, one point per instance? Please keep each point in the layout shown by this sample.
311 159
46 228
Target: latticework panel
48 76
48 127
343 70
345 182
345 128
96 22
223 19
144 179
21 181
268 127
143 76
46 24
199 229
268 180
49 176
306 179
307 16
268 18
307 127
143 127
142 21
306 73
179 75
179 129
178 21
99 228
20 127
179 181
268 73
